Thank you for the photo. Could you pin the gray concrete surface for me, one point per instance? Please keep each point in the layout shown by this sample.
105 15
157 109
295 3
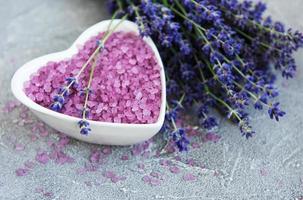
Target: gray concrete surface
269 166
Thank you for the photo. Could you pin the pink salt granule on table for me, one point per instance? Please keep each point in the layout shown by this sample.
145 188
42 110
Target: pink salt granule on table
126 85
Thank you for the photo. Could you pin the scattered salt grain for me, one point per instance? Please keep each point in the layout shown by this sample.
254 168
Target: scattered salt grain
212 137
189 177
42 157
107 150
22 171
19 147
124 157
174 169
95 156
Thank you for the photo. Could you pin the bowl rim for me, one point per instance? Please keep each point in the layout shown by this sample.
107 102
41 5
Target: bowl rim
22 75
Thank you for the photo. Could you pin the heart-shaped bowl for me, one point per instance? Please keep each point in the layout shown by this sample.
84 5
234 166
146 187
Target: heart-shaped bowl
102 132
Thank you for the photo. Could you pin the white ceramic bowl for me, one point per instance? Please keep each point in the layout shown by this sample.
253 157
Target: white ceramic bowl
102 132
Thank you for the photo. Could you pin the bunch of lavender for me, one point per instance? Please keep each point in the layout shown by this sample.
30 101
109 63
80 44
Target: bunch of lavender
218 54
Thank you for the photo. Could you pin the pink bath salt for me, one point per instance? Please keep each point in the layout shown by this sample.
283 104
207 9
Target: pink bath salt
189 177
109 174
156 175
124 157
33 137
138 95
178 158
44 133
23 115
45 193
132 62
174 169
146 178
115 179
95 156
48 194
146 154
50 143
212 137
42 157
99 108
10 106
29 164
19 147
126 87
165 162
89 167
263 172
22 171
107 150
63 141
151 180
122 178
155 182
195 145
141 166
47 87
64 158
117 120
146 113
124 49
190 162
60 157
39 96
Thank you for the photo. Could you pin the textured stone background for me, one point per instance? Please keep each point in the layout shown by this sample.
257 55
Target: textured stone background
269 166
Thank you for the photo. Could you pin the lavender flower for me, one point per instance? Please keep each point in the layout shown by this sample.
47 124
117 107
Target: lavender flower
60 98
84 127
275 112
218 55
180 139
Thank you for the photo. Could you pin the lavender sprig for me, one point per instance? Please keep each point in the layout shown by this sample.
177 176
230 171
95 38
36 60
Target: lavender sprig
83 123
60 99
174 134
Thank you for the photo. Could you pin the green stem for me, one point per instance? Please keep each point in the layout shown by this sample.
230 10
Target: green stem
202 76
174 124
138 15
250 93
165 2
110 31
120 5
186 18
88 61
87 90
226 105
168 108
